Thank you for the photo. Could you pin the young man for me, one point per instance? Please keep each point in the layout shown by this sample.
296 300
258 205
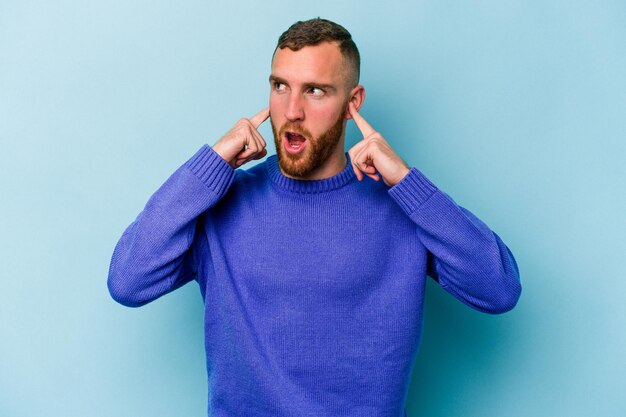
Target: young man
312 275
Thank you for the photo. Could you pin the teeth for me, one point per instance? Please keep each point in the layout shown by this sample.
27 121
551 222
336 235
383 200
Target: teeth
294 145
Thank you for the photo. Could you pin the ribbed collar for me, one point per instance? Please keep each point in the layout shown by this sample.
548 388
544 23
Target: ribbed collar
309 186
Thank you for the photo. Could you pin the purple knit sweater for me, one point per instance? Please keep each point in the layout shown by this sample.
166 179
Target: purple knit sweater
313 290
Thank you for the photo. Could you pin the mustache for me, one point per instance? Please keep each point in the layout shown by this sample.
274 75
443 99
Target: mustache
296 128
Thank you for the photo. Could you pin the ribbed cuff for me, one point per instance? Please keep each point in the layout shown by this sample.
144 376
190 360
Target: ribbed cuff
412 191
211 169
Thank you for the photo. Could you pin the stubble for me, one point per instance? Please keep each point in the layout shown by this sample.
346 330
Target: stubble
317 151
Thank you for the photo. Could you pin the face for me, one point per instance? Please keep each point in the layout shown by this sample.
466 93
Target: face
308 104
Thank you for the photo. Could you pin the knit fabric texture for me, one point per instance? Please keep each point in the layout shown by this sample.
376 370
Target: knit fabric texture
313 290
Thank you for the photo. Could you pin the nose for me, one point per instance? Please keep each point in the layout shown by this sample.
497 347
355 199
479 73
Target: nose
295 111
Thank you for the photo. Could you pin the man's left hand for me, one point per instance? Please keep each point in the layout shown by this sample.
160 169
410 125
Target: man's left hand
373 153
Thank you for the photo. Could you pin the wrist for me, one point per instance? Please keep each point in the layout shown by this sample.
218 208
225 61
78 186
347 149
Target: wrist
220 151
403 173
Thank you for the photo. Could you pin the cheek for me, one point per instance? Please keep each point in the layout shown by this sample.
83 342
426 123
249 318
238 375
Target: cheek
323 116
274 106
276 113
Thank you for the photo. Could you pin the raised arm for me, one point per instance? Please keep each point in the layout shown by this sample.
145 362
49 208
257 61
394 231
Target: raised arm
469 260
155 256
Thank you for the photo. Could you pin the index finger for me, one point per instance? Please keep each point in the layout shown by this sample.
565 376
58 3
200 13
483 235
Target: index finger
260 117
363 126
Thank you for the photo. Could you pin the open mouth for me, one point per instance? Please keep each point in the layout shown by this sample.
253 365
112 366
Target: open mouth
294 142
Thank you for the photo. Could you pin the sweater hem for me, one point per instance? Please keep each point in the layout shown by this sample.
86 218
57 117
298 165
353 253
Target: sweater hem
211 169
412 191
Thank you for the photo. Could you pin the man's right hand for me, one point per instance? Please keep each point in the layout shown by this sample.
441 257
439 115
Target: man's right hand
243 142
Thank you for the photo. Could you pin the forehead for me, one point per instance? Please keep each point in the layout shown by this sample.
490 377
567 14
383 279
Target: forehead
321 63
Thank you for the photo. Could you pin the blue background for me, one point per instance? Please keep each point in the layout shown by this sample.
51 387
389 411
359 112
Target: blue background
514 108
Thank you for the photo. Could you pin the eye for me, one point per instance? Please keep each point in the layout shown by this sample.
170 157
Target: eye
316 91
279 86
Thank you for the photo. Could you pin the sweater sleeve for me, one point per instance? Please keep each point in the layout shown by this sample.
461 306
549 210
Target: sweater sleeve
154 255
465 257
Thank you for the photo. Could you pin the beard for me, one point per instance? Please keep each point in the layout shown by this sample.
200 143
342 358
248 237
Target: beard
317 151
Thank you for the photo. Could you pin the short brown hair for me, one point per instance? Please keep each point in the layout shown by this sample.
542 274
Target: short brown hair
315 31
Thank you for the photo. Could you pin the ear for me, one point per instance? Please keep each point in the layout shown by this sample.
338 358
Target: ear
357 97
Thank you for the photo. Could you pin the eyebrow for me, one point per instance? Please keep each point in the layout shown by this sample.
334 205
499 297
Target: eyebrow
276 79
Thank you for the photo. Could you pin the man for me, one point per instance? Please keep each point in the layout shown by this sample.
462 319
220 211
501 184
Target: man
312 275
